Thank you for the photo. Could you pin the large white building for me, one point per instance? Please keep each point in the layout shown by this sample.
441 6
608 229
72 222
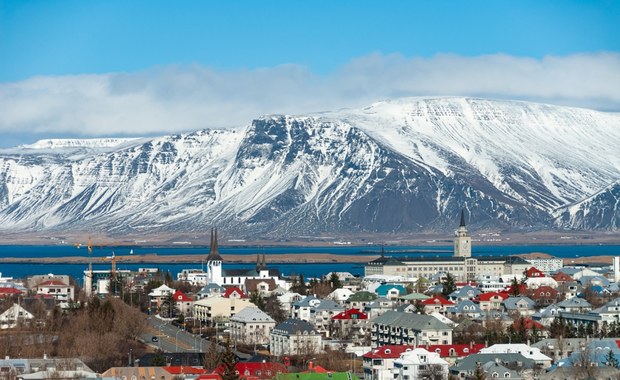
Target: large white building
461 265
251 326
215 274
295 337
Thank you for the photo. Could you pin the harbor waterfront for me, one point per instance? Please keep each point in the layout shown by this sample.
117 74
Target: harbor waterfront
22 260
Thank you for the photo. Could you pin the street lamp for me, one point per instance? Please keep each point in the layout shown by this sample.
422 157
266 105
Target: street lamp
176 342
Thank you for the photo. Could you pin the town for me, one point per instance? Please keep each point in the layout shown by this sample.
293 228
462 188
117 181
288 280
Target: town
458 317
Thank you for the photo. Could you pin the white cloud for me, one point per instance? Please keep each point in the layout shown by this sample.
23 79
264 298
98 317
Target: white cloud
185 98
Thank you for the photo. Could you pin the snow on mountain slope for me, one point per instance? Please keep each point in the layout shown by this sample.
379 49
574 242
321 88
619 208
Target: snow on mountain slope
398 166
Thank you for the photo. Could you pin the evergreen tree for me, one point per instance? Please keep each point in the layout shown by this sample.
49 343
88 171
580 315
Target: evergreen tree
257 300
611 359
515 290
334 281
449 285
229 361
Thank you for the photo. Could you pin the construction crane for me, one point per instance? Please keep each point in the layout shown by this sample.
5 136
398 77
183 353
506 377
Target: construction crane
88 278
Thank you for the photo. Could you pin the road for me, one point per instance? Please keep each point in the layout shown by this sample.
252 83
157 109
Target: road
171 338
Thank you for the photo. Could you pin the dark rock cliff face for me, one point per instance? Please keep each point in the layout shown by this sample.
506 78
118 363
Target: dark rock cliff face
284 177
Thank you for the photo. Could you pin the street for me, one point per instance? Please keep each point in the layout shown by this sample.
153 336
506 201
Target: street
171 338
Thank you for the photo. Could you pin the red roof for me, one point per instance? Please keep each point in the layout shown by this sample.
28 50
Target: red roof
350 314
179 296
9 291
534 272
562 277
452 350
52 283
177 370
437 300
234 289
249 371
489 295
529 324
387 352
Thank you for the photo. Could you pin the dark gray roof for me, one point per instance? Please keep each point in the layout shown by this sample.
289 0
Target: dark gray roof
417 322
469 363
294 326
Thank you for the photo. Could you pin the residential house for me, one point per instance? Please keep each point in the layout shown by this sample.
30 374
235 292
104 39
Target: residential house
294 337
395 327
419 363
262 286
575 305
15 316
321 315
610 312
350 324
451 352
183 303
379 306
391 291
209 290
491 300
251 326
519 305
544 295
466 367
495 370
436 304
360 299
465 309
160 298
533 353
288 299
379 362
467 292
546 315
569 289
59 290
234 292
340 295
561 278
216 311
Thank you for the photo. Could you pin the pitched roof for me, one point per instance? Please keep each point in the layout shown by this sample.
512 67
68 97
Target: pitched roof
460 350
294 326
362 296
179 296
487 296
234 289
437 300
418 322
350 314
252 314
387 352
52 283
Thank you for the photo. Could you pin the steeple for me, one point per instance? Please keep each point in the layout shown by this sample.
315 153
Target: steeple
462 218
214 254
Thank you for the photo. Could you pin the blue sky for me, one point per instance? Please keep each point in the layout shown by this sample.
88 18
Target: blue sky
92 68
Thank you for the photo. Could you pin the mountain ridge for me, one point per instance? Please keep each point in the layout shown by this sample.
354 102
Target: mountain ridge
402 166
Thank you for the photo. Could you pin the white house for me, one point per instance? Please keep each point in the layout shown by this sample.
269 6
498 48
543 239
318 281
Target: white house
529 352
295 337
251 326
57 289
13 316
419 363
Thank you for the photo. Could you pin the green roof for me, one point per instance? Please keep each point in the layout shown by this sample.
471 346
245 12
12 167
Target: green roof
362 296
413 296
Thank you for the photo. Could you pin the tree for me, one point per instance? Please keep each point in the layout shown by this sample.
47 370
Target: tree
449 285
273 308
213 356
611 360
334 281
229 361
257 300
479 372
515 287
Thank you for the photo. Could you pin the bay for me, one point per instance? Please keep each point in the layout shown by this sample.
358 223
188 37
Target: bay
307 269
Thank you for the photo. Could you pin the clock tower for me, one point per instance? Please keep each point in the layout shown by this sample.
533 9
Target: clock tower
462 241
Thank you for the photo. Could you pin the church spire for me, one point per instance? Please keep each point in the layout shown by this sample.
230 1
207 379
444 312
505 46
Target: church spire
462 218
214 253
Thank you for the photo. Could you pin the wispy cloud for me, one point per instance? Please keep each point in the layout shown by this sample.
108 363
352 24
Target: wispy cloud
185 98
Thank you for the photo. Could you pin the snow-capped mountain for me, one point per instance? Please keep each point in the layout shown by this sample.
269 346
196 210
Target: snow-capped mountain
406 165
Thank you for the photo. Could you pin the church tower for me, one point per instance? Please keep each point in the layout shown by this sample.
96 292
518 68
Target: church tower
214 260
462 241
